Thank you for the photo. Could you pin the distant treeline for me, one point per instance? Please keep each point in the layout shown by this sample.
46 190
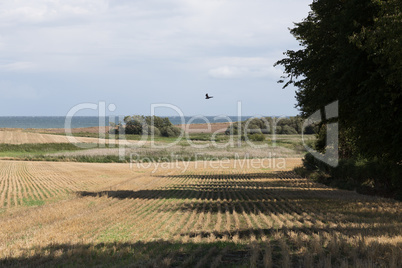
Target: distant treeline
161 126
270 125
147 125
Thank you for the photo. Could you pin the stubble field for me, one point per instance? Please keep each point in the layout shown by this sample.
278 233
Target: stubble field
22 137
205 214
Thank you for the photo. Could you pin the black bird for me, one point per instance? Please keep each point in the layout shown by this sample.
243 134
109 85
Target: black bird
208 97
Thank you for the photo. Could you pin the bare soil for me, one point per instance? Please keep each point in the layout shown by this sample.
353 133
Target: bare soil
205 128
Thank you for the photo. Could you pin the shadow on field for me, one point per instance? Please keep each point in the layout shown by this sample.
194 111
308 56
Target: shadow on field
254 233
210 193
139 254
238 176
177 254
241 194
227 186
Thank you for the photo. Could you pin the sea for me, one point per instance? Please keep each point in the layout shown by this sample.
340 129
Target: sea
26 122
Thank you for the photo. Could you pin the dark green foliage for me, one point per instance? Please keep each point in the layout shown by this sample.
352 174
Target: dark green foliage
149 125
346 56
310 129
158 122
253 137
134 127
252 128
233 129
257 137
288 130
40 147
151 130
382 42
265 125
170 131
207 137
291 125
351 52
366 176
278 129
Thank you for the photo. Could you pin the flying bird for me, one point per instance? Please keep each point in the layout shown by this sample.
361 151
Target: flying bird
208 97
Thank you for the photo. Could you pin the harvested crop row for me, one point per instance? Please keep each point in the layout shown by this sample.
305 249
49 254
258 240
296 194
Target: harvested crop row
30 183
19 137
197 218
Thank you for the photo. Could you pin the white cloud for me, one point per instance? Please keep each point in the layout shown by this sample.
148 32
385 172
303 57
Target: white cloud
89 47
17 66
39 11
11 90
242 67
228 72
94 32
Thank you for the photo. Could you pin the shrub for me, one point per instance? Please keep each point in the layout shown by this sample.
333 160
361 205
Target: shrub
150 125
134 127
151 130
310 129
288 130
278 129
256 137
291 125
364 175
253 128
170 131
233 129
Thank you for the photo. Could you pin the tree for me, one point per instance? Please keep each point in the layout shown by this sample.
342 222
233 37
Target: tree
351 51
382 41
347 47
288 130
150 125
134 124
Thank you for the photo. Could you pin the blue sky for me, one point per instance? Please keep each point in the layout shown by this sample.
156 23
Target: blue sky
56 54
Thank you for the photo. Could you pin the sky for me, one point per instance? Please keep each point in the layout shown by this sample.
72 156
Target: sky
57 55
